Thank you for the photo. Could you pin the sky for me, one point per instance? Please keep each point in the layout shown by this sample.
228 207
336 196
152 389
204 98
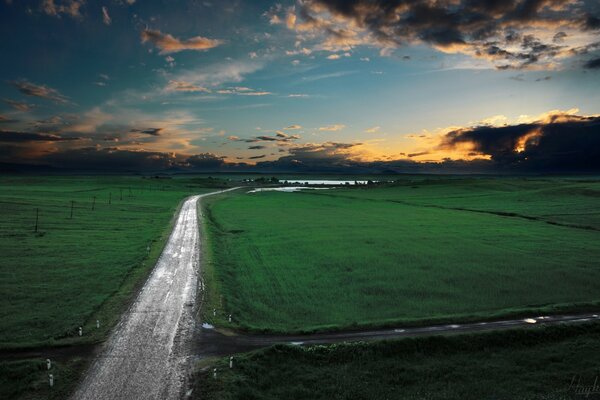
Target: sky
308 85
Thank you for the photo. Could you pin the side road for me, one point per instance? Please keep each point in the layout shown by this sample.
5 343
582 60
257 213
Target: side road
214 343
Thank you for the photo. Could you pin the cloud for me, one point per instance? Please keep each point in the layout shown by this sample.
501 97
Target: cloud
204 161
374 129
170 44
6 120
149 131
18 105
105 17
243 91
509 34
256 157
559 141
214 75
20 137
593 64
71 8
420 153
182 86
42 91
293 127
256 147
332 128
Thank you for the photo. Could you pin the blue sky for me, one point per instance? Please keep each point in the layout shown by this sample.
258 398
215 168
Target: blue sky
254 81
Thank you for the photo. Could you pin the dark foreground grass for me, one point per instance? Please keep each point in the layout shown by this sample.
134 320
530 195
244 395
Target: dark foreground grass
538 363
75 270
413 252
29 378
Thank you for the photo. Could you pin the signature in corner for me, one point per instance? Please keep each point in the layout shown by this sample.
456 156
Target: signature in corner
584 390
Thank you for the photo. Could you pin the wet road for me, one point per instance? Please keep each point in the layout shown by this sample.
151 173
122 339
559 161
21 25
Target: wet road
213 343
146 357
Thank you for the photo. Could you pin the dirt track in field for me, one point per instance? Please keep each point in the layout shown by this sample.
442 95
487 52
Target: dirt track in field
147 356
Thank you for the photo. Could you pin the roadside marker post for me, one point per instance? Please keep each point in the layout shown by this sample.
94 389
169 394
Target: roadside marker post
230 362
97 324
229 317
215 373
80 331
48 363
214 312
51 380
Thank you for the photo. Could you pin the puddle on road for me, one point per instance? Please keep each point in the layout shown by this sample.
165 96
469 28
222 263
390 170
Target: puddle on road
287 189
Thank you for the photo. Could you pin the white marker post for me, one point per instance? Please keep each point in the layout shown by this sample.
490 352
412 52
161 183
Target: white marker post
51 380
214 312
97 324
48 363
80 331
229 317
230 362
215 373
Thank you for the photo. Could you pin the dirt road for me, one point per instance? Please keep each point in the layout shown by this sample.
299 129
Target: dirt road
213 343
146 357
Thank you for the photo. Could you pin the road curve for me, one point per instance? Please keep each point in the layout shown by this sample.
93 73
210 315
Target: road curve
146 356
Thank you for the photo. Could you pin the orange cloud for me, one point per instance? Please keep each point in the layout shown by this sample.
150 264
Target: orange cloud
169 44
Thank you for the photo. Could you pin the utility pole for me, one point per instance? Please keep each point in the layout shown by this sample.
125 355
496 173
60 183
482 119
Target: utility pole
94 203
37 213
72 204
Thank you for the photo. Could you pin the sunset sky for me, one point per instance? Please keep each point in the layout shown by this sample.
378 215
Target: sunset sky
311 84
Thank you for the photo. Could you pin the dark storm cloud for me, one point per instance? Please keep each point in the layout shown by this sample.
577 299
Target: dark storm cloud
279 137
421 153
480 28
256 157
256 147
149 131
593 64
20 137
560 143
111 158
204 161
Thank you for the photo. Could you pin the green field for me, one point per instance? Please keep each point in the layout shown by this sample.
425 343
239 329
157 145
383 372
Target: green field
75 270
421 250
538 363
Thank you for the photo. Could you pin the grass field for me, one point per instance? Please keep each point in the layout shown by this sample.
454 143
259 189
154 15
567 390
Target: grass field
538 363
75 270
424 249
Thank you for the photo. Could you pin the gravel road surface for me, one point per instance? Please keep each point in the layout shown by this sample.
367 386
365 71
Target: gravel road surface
146 357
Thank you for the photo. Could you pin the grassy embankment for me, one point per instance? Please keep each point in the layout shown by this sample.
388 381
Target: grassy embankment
74 271
537 363
424 250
